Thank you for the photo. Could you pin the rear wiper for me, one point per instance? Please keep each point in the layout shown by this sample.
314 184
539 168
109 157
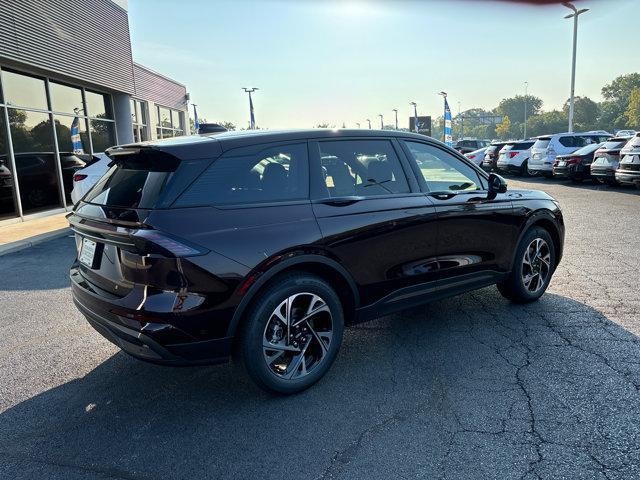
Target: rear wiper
373 181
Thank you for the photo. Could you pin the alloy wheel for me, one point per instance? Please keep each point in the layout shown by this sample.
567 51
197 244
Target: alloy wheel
297 336
536 265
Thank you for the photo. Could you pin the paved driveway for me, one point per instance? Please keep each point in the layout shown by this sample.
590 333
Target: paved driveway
471 387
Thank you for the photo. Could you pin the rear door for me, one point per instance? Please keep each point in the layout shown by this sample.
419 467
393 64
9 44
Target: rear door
374 220
476 234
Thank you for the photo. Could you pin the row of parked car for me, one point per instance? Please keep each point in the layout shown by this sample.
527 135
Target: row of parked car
595 155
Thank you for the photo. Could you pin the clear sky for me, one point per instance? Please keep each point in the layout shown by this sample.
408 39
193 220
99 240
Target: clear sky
335 61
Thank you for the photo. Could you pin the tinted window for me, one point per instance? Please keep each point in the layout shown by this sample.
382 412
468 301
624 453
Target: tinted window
98 105
274 175
362 168
135 181
65 98
573 141
522 146
612 144
441 170
588 149
541 143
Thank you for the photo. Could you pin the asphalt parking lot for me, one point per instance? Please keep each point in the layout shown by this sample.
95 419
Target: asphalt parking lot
471 387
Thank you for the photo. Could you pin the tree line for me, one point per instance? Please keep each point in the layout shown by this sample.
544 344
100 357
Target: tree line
620 109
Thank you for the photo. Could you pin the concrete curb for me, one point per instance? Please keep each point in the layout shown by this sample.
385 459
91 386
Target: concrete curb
31 241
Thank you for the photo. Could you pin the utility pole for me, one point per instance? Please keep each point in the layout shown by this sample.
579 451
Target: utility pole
573 15
358 124
395 110
252 117
381 121
526 98
369 121
415 116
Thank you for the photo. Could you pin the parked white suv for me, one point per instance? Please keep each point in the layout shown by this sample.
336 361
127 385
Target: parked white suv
547 147
86 178
514 157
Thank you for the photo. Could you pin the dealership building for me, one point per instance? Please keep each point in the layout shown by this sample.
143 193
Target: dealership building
69 89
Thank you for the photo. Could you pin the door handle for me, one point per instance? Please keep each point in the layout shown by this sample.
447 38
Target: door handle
442 195
340 201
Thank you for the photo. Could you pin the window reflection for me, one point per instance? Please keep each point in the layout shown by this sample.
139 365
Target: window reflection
98 105
102 135
8 207
23 90
66 99
32 136
72 156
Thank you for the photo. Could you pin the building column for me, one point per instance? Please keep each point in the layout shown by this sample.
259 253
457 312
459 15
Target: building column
122 115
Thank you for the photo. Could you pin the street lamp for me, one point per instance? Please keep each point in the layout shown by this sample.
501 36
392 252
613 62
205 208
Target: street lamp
252 117
369 121
395 110
573 15
415 116
358 124
381 121
526 87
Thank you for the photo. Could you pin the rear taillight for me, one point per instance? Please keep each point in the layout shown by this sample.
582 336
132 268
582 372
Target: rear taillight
573 160
152 241
79 177
471 157
513 154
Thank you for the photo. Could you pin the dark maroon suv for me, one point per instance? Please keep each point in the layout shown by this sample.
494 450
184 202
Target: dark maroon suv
268 243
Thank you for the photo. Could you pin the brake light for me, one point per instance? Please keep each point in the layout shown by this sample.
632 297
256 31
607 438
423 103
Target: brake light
471 157
513 154
154 240
79 177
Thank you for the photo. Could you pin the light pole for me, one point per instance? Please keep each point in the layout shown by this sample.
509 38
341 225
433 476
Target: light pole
252 117
395 110
369 122
573 15
358 124
415 116
526 87
381 121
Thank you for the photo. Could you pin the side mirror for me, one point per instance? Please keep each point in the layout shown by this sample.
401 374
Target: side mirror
497 185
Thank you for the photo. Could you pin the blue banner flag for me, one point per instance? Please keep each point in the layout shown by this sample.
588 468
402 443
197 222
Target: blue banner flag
76 142
252 122
196 124
448 139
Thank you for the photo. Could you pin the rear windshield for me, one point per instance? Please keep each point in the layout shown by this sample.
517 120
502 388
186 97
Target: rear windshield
135 181
494 148
541 143
613 144
522 146
588 149
507 147
630 159
467 143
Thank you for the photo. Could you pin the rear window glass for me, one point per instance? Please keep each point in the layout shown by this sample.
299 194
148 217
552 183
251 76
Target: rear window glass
612 144
541 143
274 175
630 159
588 149
494 148
506 148
522 146
135 181
467 143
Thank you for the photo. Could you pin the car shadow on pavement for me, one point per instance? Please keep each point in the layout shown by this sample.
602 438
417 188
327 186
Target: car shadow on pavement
471 387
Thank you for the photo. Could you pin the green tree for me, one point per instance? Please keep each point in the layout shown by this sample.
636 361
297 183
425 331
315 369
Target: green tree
585 113
513 107
633 109
503 129
547 122
618 92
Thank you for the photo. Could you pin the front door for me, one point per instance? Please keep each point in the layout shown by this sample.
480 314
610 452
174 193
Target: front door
476 233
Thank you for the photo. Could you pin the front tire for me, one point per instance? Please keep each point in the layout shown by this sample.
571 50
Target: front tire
292 333
533 267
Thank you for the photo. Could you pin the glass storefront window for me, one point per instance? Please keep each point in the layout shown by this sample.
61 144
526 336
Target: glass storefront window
8 207
66 99
24 91
98 105
165 117
102 135
32 136
134 112
176 119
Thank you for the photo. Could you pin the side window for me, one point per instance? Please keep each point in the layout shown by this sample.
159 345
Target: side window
274 175
361 167
573 141
443 171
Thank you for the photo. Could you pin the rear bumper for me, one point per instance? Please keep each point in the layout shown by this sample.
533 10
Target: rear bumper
544 166
508 167
603 173
143 339
628 177
561 172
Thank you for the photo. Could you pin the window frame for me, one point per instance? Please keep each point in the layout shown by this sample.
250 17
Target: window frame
318 189
424 188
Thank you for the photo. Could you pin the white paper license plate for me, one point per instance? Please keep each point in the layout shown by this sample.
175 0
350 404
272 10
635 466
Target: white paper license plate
87 252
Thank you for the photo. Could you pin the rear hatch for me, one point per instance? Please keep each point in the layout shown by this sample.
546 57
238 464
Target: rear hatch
113 235
608 156
539 150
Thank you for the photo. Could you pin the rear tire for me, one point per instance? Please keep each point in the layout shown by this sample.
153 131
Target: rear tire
533 267
524 168
281 353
